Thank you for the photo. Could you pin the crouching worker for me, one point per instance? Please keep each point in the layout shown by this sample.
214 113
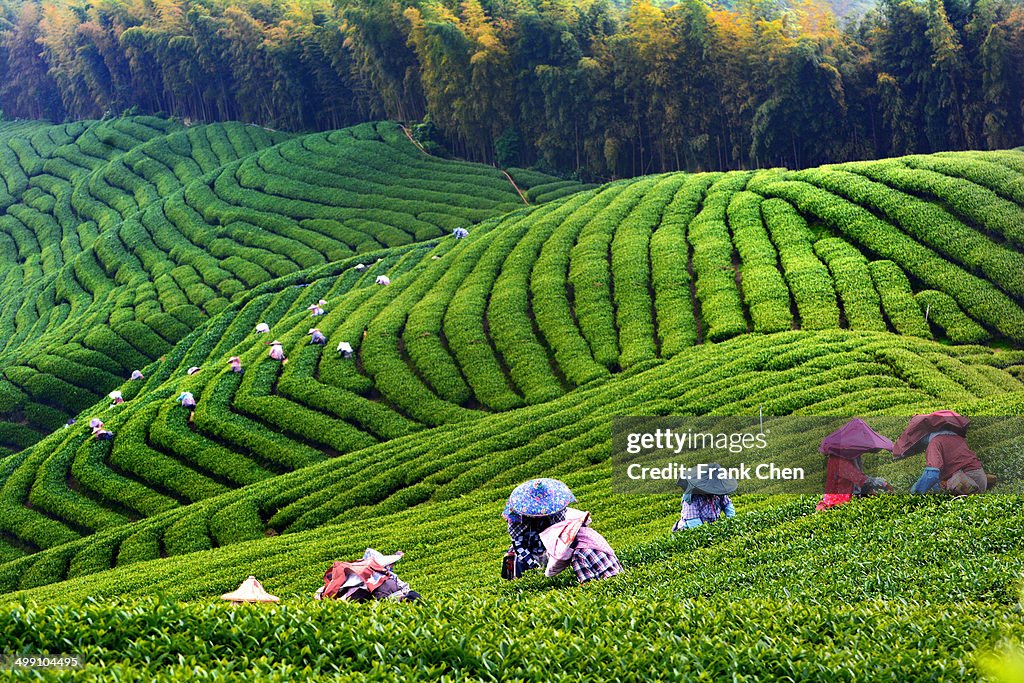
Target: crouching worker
541 506
370 578
705 497
99 432
950 464
844 471
572 543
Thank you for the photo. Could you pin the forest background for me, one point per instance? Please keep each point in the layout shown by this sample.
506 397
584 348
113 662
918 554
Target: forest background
593 89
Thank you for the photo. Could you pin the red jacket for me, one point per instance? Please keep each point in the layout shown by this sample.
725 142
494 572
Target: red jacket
841 475
949 453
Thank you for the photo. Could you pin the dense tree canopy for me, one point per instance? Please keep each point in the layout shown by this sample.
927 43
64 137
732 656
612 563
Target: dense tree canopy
596 88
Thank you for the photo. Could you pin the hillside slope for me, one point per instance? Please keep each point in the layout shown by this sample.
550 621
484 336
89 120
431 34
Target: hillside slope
120 237
778 592
880 288
538 309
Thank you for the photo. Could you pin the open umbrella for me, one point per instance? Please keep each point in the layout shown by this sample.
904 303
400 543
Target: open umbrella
251 590
911 441
854 439
708 479
539 498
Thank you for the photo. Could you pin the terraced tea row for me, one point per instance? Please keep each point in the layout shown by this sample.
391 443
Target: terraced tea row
245 431
120 237
497 340
765 586
608 283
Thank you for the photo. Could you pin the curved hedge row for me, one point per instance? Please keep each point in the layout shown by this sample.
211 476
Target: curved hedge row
151 228
475 361
790 372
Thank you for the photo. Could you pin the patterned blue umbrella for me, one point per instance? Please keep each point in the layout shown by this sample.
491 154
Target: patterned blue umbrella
539 498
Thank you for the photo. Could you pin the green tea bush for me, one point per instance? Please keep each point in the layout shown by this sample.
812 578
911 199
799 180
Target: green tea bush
552 292
941 309
861 304
898 300
981 297
236 522
631 259
670 271
764 291
715 283
138 547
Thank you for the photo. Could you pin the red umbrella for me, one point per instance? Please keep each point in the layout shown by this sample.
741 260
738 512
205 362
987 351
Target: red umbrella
910 441
854 439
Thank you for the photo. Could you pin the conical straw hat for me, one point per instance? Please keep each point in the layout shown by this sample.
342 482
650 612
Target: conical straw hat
251 590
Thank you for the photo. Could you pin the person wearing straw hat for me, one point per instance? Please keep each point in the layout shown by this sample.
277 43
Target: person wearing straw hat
572 543
136 375
950 464
102 433
187 400
236 364
705 497
99 432
262 328
546 532
844 471
316 336
116 397
277 351
369 578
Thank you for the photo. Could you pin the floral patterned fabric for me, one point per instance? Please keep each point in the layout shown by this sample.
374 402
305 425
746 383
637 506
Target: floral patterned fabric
537 498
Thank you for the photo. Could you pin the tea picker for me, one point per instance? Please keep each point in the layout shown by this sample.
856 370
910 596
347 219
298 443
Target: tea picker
950 464
345 349
277 351
186 399
705 497
844 471
546 532
369 578
99 432
317 337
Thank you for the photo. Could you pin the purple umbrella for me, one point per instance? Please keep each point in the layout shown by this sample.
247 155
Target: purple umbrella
854 439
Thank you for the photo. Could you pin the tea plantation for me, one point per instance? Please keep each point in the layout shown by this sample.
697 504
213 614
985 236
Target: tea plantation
870 288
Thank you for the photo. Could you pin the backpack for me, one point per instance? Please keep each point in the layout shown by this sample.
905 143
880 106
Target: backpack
510 566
